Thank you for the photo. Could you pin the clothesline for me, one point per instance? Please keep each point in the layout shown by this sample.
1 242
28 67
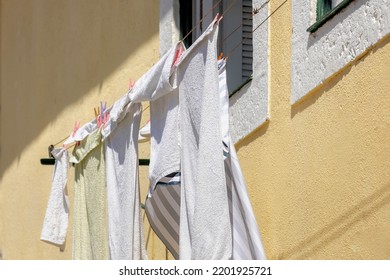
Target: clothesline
106 185
255 12
257 27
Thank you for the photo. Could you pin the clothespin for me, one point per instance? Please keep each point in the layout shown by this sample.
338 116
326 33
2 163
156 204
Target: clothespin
218 18
131 83
97 111
98 117
220 56
178 54
102 107
102 115
75 128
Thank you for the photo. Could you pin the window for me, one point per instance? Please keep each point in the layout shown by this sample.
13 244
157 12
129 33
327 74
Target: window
235 33
326 9
323 7
317 57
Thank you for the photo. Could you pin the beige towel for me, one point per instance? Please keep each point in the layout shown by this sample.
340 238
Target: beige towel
90 236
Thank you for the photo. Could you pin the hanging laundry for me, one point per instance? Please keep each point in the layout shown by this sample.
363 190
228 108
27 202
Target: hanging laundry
163 202
185 138
125 224
124 220
155 86
247 244
162 208
55 225
205 229
197 204
90 236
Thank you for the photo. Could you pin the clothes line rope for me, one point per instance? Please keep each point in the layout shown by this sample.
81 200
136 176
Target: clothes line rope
255 11
257 27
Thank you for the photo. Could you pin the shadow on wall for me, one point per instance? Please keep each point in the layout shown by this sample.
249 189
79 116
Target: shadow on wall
54 52
306 248
326 86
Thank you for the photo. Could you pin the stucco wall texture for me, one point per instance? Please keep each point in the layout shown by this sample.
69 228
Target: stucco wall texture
318 171
59 59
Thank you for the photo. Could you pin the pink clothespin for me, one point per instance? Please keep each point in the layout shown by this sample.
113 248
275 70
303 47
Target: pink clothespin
106 117
218 18
131 83
178 54
75 128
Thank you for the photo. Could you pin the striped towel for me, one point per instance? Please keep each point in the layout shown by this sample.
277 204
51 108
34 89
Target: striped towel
163 211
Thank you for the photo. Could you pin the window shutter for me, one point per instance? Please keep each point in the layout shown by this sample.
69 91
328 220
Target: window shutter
323 7
247 44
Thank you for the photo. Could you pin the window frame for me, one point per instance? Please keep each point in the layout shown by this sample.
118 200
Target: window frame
325 12
249 105
243 57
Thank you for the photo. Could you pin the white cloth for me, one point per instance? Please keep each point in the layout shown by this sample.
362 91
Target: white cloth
55 225
125 225
205 229
185 136
247 244
155 86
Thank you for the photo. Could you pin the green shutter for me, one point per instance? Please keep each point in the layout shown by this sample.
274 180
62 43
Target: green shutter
323 7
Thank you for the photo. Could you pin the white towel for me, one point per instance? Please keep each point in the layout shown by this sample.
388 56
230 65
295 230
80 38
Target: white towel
55 225
205 229
125 226
247 243
185 136
155 86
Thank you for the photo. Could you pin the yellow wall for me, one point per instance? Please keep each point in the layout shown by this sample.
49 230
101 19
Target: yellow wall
58 60
318 171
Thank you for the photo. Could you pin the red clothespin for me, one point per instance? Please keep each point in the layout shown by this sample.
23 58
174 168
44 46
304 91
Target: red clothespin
220 56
